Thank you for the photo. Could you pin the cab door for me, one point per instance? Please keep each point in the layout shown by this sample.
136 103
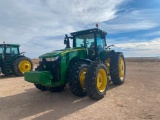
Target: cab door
10 52
100 43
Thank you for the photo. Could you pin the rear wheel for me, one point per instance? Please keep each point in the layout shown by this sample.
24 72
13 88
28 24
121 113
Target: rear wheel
96 80
118 68
76 79
22 65
107 61
107 64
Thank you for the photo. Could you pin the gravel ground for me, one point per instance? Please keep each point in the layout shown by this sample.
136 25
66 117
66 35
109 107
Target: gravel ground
137 99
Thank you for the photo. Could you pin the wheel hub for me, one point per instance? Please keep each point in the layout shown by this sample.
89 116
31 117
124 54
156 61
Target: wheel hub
121 68
24 66
82 77
101 80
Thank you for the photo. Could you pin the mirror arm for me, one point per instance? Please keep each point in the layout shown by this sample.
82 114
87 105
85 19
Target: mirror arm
108 47
22 52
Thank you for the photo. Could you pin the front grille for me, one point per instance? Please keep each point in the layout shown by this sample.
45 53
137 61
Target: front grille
52 66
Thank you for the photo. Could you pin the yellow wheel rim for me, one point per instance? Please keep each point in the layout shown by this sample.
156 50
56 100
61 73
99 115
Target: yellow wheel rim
82 77
24 66
121 68
102 80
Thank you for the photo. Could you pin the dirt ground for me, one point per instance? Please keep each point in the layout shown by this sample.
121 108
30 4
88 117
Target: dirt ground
137 99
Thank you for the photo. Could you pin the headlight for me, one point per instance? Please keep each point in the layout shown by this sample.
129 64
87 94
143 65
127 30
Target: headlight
51 59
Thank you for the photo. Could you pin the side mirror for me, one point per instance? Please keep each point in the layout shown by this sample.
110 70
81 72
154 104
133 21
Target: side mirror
65 41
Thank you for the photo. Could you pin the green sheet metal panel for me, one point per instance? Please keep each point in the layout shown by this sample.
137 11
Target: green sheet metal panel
38 77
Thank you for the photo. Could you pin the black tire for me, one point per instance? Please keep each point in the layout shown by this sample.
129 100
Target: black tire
91 85
16 64
6 72
74 79
40 87
7 69
117 70
56 89
37 68
106 62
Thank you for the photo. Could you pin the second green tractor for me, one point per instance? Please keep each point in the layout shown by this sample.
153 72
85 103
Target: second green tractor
88 66
12 62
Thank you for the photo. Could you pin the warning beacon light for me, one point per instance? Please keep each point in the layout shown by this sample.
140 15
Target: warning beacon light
97 25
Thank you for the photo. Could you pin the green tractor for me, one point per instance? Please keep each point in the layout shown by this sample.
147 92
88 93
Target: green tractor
12 62
88 66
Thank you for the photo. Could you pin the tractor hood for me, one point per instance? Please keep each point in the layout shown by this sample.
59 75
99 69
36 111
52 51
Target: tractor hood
62 52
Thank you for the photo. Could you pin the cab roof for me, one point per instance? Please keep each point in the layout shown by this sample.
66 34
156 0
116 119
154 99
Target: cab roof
88 31
15 45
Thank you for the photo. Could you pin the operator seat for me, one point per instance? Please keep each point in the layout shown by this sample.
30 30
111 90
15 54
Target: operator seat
91 50
92 45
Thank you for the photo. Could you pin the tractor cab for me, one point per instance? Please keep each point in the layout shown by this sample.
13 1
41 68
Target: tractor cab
92 39
8 51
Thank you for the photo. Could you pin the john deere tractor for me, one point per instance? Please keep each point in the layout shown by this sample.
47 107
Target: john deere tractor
88 66
12 62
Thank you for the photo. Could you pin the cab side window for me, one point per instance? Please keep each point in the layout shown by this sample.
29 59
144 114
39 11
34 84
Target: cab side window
12 50
100 43
1 50
8 50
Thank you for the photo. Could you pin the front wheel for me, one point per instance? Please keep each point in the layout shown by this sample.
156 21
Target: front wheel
76 79
40 87
96 80
56 89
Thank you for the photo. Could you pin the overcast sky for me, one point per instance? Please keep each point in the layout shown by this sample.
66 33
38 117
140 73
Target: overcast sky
39 26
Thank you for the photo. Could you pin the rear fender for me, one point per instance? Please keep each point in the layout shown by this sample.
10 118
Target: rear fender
106 54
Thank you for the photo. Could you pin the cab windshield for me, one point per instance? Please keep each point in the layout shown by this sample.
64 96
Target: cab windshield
1 49
86 40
